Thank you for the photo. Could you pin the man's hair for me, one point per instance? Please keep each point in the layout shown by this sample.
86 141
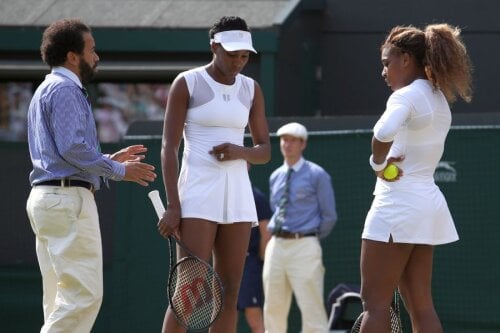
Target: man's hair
227 23
61 37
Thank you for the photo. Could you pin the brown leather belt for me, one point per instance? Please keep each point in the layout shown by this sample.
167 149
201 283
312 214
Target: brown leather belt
68 183
293 235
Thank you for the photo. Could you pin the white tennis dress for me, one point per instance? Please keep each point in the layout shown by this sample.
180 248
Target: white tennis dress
412 209
217 113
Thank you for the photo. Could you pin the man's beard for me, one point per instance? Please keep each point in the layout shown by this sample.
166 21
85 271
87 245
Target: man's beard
87 73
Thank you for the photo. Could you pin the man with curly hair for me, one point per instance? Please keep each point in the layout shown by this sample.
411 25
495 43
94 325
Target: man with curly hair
67 169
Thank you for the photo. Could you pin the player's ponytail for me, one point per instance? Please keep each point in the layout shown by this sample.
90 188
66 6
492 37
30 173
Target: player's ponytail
447 63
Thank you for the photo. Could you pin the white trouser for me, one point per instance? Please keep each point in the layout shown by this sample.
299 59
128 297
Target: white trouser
69 251
294 265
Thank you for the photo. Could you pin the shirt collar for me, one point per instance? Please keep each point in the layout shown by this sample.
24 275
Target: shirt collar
296 167
68 73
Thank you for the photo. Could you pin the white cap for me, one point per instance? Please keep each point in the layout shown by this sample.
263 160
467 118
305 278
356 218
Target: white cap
234 40
293 129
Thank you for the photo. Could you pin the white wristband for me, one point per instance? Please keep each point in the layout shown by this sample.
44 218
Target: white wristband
377 167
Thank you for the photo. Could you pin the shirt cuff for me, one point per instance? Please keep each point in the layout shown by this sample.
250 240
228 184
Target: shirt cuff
118 171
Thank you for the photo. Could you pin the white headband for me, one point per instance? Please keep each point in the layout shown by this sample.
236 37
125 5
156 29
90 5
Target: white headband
234 40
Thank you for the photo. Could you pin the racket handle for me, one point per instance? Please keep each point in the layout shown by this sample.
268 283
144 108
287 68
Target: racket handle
157 204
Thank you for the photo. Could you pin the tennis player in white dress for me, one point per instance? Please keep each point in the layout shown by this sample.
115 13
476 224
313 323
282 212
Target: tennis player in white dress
409 214
217 113
210 201
412 209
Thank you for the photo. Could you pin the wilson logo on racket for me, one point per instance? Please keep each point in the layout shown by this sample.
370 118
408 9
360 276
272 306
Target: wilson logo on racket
197 290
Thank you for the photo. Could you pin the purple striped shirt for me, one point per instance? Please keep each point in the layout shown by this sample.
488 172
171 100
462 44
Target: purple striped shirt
62 134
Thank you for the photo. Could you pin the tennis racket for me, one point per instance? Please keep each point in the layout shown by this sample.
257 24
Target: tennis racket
396 326
195 291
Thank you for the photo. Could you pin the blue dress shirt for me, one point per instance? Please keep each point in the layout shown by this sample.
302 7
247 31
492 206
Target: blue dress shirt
62 134
311 205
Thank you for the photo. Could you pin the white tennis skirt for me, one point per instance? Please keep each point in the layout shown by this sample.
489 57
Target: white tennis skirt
416 217
216 191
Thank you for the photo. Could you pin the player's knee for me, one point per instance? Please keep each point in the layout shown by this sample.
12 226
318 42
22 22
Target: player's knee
374 306
231 291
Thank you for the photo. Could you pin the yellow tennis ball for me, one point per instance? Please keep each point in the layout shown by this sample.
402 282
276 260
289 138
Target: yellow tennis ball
391 171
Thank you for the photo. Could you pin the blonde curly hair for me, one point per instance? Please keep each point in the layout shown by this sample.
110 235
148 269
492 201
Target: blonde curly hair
440 50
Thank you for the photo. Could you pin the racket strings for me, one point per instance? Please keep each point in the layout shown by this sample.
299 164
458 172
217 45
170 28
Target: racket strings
396 326
196 293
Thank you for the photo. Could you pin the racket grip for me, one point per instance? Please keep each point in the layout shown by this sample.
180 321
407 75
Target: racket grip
156 201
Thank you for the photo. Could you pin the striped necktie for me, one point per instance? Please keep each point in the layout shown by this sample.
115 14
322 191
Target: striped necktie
280 218
86 94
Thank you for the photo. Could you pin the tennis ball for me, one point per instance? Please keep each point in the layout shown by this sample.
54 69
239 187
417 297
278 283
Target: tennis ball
390 171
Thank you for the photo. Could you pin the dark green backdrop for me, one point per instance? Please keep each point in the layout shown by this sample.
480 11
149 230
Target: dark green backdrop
466 273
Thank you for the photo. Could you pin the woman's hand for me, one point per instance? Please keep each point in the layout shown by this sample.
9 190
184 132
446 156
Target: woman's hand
226 152
391 160
169 223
